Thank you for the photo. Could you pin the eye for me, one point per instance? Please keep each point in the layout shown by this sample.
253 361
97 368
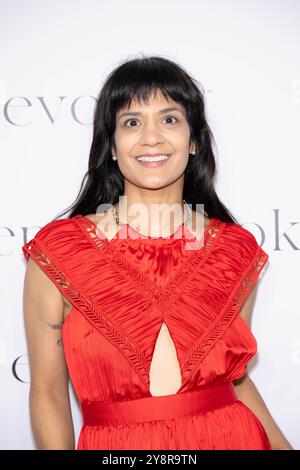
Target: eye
128 120
133 119
172 117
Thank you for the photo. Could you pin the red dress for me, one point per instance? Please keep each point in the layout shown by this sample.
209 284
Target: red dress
121 291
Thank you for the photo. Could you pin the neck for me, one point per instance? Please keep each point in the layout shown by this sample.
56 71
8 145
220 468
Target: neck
161 219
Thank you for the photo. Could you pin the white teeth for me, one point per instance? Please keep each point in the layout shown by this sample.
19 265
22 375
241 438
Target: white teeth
157 158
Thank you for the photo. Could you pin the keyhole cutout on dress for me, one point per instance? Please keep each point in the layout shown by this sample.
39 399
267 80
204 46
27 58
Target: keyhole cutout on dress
165 373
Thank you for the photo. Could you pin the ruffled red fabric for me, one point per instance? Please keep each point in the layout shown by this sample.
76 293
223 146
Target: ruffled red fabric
122 291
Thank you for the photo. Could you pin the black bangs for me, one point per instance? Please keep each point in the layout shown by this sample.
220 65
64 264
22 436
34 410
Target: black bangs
143 78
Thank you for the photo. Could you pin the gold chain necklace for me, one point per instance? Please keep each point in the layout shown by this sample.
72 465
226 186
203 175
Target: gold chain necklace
187 211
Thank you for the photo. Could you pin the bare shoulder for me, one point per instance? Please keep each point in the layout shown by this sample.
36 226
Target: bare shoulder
105 223
95 218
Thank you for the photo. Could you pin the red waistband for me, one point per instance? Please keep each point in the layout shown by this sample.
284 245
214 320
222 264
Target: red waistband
158 407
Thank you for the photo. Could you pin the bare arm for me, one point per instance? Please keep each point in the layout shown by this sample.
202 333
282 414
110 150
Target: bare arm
247 392
49 399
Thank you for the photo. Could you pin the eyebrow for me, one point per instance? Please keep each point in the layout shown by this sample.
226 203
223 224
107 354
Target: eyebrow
161 111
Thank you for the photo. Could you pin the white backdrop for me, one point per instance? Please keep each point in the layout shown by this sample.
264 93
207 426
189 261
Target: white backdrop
54 56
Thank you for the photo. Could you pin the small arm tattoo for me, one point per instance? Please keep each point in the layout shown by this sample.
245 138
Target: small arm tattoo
57 326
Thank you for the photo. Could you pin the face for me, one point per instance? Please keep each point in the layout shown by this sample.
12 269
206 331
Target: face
147 129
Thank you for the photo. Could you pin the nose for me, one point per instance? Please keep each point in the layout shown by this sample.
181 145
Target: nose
151 135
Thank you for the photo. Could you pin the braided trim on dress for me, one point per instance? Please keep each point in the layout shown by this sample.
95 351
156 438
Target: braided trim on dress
228 313
160 295
178 282
140 282
115 336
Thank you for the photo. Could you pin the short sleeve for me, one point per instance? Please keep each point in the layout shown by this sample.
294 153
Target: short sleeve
48 248
256 259
43 240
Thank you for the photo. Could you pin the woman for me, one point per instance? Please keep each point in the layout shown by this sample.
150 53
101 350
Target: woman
155 333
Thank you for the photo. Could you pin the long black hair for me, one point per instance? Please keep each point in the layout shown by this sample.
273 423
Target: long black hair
138 78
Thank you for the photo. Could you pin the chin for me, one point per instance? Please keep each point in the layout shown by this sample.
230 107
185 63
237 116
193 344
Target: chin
155 183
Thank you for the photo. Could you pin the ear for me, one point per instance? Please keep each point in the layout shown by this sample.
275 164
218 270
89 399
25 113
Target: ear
113 150
193 148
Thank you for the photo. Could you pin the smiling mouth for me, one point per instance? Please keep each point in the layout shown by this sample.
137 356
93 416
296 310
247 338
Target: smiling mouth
154 161
153 158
